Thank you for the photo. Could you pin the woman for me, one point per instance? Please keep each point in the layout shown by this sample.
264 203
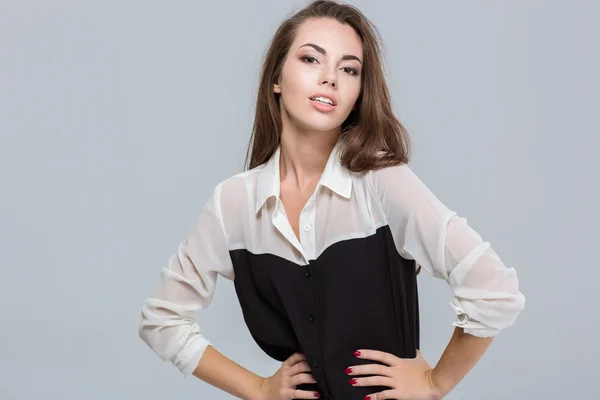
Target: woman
323 236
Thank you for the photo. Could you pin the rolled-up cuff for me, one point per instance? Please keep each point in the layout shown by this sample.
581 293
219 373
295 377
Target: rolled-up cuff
471 326
187 360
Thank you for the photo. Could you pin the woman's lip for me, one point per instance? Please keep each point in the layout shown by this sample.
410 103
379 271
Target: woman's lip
326 95
322 106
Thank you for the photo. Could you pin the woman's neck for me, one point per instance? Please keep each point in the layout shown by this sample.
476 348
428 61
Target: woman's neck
303 156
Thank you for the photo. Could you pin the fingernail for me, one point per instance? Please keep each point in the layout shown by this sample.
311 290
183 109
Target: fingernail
356 353
317 394
368 398
348 370
352 381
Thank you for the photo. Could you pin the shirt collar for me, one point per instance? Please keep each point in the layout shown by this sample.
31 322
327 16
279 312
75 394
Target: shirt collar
335 177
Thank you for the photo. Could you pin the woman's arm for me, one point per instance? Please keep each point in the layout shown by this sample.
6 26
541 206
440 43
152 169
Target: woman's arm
485 292
185 287
219 371
459 357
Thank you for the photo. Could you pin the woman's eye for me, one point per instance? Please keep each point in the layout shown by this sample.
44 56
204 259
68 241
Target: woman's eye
312 60
309 59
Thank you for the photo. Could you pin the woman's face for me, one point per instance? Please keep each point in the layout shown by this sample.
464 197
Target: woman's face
323 66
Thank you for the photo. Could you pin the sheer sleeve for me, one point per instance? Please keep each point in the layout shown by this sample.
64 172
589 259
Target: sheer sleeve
486 296
185 286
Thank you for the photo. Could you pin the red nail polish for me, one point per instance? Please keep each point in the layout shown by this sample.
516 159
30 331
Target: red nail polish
348 370
352 381
356 353
368 398
317 395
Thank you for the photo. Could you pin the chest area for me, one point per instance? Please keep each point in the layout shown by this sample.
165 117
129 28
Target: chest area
300 227
344 267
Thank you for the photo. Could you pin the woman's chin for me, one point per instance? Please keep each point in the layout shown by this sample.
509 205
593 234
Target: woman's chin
321 123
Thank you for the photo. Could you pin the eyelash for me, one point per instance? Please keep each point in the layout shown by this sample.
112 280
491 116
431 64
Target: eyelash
353 71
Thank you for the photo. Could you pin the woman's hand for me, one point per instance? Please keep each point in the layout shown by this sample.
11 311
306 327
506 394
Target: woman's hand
407 378
282 385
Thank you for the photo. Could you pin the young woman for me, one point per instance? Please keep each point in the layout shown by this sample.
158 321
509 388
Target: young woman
323 236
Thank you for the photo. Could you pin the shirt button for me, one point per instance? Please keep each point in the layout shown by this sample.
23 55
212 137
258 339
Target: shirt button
315 363
306 228
307 274
311 318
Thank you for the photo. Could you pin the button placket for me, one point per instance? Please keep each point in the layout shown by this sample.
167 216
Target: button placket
282 224
307 224
312 327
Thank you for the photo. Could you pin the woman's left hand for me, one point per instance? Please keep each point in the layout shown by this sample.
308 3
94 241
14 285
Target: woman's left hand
407 378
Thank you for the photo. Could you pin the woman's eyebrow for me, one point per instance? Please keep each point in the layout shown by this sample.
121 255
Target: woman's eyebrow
324 52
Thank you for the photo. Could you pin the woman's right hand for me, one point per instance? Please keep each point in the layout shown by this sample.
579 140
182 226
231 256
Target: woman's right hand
282 385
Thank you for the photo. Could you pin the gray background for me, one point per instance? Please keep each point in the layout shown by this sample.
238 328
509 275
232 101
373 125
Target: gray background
117 118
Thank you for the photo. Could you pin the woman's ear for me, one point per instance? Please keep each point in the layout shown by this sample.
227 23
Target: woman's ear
276 88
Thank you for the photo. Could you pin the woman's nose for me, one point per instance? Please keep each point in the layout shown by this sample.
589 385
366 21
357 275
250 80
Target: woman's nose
328 76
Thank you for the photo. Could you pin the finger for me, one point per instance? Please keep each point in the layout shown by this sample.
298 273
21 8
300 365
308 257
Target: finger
300 367
301 378
371 369
374 381
376 355
293 359
304 394
386 394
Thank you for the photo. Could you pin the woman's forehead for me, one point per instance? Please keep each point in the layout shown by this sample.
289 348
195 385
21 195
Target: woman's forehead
330 35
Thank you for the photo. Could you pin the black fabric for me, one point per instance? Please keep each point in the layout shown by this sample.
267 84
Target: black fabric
358 294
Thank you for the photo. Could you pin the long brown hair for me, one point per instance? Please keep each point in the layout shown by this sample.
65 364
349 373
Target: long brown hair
372 135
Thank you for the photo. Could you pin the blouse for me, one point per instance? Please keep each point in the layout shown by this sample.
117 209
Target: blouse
349 281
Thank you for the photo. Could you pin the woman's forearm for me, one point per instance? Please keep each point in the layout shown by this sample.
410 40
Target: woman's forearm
217 370
459 357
